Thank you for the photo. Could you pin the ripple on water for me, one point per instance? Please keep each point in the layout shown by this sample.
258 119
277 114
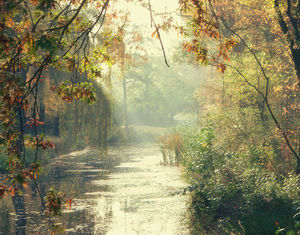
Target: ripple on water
136 197
143 201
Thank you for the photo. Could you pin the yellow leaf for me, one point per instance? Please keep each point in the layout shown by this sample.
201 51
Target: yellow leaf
153 34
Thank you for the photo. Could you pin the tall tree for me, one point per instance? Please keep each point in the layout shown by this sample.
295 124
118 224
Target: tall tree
235 23
37 36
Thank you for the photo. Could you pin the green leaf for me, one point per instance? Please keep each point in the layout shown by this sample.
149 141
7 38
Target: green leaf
277 232
290 232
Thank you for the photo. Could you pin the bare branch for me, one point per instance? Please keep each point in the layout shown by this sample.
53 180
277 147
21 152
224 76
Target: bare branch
266 100
158 33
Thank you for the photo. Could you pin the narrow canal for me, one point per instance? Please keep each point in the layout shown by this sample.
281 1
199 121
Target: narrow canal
127 193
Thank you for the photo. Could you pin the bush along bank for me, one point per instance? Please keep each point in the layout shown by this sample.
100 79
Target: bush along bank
234 193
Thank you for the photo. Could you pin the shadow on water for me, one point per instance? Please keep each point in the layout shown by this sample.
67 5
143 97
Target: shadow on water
126 192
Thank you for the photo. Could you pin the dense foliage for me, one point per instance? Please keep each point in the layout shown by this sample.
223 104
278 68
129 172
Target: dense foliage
47 57
259 48
233 192
242 161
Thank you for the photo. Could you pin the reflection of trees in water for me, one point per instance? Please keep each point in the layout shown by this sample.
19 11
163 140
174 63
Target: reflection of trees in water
5 220
90 216
42 188
95 218
18 202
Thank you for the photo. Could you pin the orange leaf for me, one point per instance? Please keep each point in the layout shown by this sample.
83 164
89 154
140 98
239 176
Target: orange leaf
34 2
10 23
153 34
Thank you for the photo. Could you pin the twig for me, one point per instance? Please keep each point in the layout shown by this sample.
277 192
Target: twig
158 33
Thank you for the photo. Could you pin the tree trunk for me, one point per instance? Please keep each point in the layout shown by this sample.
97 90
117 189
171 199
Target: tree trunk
124 93
125 107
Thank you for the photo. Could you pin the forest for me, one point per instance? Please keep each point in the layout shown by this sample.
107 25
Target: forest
150 117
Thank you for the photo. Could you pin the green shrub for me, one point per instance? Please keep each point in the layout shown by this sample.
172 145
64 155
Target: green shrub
234 193
295 228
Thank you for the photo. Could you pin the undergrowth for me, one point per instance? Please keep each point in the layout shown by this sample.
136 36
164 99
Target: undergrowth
231 193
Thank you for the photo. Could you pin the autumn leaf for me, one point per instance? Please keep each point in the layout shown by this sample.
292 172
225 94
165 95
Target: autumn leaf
221 68
34 2
10 23
114 15
153 34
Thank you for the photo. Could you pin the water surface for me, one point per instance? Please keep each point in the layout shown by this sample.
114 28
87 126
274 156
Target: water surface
135 196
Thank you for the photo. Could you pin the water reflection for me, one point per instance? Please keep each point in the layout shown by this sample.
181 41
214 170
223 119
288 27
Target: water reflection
135 197
142 200
18 202
4 219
